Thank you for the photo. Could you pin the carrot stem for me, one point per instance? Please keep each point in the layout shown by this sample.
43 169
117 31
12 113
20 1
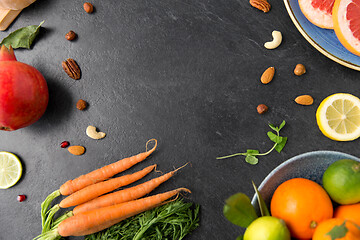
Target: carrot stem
45 207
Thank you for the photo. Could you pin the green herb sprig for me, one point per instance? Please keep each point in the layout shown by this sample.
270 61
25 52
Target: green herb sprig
251 154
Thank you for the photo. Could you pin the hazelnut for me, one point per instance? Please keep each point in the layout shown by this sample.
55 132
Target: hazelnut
70 35
88 7
262 108
81 104
299 70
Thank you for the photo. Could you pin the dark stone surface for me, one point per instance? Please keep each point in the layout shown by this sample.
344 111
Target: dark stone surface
184 72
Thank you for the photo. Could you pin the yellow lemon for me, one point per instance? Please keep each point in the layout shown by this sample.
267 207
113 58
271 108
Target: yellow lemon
338 117
10 170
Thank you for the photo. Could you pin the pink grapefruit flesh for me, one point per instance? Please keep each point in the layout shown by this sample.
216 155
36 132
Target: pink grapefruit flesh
318 12
346 18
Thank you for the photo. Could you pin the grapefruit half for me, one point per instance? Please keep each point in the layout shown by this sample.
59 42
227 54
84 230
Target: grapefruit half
346 18
318 12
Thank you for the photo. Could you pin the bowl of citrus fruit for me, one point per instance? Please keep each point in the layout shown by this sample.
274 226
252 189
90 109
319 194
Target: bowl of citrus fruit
315 195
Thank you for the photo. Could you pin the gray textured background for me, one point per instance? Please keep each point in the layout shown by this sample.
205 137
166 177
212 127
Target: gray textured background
185 72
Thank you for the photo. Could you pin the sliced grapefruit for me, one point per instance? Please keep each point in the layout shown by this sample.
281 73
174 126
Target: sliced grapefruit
346 18
318 12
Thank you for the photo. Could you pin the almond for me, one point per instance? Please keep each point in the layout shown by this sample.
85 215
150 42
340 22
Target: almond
304 100
268 75
76 150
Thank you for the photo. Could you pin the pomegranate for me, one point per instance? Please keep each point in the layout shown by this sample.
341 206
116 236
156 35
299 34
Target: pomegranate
24 93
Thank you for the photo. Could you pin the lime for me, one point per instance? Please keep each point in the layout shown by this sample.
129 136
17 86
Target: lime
10 170
267 228
341 181
338 117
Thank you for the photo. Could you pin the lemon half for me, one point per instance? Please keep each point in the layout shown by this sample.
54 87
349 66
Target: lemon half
10 170
338 117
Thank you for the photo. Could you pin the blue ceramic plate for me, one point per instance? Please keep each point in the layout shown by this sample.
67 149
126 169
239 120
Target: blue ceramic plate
324 40
310 165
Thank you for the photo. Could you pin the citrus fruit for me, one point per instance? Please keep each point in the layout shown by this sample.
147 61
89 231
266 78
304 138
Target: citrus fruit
302 204
336 228
10 170
338 117
318 12
267 228
348 212
341 180
346 18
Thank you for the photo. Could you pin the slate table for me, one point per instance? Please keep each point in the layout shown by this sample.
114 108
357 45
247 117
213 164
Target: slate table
185 72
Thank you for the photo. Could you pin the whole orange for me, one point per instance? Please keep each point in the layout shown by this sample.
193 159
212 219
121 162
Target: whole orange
302 204
336 228
349 212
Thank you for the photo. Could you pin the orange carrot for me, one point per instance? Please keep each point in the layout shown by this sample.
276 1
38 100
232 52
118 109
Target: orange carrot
98 219
124 195
93 191
104 173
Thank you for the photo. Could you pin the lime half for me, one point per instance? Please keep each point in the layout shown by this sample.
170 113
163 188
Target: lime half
10 170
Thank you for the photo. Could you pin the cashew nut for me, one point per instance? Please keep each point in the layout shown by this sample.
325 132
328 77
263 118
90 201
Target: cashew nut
93 133
277 38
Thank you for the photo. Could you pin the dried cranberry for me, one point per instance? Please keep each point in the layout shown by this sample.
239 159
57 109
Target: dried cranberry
64 144
21 198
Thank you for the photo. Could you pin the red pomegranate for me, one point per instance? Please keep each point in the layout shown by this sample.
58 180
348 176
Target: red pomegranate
24 93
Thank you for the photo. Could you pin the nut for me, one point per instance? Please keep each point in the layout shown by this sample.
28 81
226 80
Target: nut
93 133
304 100
71 35
299 69
71 68
277 38
88 7
262 108
76 150
81 104
262 5
268 75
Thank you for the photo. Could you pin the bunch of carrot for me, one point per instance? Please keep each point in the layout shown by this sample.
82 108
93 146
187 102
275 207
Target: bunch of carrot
95 211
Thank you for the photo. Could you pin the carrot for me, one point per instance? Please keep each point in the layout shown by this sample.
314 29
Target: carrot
91 192
124 195
98 219
93 177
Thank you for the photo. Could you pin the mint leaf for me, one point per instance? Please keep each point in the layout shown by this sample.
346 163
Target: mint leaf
251 152
251 159
282 125
239 211
279 147
275 138
274 128
338 232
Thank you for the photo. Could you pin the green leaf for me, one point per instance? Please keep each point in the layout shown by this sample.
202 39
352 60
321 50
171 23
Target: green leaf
279 147
275 138
241 237
251 159
273 127
252 152
239 211
23 37
282 125
263 208
338 231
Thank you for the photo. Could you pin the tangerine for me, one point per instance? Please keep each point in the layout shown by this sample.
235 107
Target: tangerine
336 228
348 212
302 204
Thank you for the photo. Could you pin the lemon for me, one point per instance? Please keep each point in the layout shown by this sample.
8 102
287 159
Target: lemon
267 228
10 170
338 117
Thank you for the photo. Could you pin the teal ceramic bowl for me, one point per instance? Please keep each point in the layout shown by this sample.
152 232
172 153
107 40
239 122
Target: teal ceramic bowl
309 165
324 40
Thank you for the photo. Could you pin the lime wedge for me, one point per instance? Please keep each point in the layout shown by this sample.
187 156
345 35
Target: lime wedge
10 170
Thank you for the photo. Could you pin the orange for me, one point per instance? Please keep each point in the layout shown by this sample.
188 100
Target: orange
348 212
346 18
336 228
318 12
302 204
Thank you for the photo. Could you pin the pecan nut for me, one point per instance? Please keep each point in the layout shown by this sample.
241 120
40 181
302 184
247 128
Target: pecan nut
262 5
71 68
